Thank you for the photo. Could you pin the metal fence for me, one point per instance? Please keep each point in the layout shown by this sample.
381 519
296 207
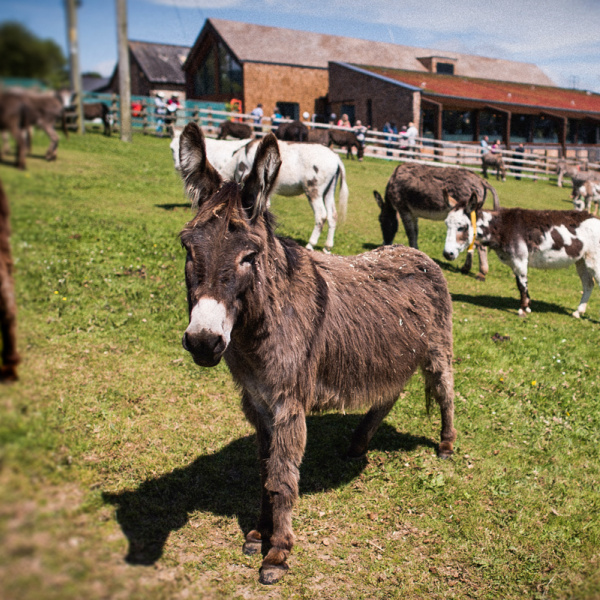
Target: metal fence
537 163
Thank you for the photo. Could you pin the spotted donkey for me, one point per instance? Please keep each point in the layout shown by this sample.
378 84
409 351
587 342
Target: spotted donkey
542 239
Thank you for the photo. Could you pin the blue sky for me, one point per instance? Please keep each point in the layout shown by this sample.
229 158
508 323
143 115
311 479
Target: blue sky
560 36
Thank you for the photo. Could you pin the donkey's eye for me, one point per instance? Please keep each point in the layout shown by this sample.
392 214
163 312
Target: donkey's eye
463 228
249 259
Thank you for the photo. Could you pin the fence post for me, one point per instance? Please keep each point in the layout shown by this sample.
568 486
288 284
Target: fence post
144 115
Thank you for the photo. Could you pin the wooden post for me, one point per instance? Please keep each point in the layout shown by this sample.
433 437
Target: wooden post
124 76
73 47
145 121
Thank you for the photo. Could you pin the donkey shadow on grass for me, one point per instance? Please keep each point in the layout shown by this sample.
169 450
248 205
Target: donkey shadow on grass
511 304
228 483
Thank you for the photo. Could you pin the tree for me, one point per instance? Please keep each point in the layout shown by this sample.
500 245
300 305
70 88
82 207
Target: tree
25 55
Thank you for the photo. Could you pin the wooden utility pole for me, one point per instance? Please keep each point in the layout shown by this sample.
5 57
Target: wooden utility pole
124 76
73 46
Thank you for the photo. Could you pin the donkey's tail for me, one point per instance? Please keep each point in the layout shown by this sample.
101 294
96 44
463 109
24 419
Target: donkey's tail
343 198
487 186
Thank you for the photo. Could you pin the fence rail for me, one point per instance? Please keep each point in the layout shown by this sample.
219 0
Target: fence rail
534 163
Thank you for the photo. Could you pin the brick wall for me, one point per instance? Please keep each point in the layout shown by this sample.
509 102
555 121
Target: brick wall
389 102
269 84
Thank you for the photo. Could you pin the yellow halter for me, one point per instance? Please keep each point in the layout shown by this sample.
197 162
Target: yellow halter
474 223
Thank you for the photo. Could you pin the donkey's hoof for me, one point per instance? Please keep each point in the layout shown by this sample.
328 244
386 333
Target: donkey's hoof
309 246
576 314
480 277
253 543
326 250
445 450
8 374
251 548
270 574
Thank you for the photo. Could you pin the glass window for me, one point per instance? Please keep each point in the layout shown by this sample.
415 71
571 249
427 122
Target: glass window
444 68
491 124
428 122
520 126
204 81
457 125
582 132
230 74
545 130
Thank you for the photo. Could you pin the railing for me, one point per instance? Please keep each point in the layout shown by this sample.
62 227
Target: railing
534 163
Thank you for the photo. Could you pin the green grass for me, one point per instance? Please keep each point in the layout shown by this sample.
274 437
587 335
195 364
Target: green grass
114 445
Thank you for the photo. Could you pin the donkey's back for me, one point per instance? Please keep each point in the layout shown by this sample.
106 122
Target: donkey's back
386 313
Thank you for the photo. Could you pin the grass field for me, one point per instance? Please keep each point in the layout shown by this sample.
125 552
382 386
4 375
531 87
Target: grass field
127 472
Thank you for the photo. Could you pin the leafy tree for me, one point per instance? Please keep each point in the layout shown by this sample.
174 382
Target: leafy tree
25 55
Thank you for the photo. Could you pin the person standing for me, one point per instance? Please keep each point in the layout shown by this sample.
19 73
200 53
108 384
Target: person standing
361 133
160 110
485 147
257 114
344 121
411 135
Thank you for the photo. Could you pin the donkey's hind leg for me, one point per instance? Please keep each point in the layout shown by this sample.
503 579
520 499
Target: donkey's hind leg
587 282
367 427
318 207
439 385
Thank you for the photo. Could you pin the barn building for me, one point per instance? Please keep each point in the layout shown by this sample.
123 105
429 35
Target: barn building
154 68
448 95
463 108
289 68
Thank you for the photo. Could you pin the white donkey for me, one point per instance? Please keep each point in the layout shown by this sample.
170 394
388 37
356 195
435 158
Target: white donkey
543 239
310 169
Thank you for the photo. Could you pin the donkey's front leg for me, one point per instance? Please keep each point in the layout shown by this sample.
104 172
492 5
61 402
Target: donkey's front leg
288 440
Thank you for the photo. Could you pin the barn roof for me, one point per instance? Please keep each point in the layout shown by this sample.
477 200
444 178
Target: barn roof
432 85
161 63
258 43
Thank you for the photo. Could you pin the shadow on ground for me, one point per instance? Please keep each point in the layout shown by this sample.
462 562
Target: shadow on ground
510 304
227 483
185 205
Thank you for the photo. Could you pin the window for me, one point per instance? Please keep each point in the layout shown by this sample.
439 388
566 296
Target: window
204 81
520 127
491 124
457 125
444 68
230 74
290 110
545 130
218 74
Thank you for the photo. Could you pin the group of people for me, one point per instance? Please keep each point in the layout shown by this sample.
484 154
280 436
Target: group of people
165 112
406 138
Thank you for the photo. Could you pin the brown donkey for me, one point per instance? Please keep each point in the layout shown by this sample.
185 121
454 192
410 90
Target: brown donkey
8 306
303 331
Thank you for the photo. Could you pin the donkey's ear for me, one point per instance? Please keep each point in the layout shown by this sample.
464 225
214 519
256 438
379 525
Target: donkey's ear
449 201
378 199
473 203
201 180
259 182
